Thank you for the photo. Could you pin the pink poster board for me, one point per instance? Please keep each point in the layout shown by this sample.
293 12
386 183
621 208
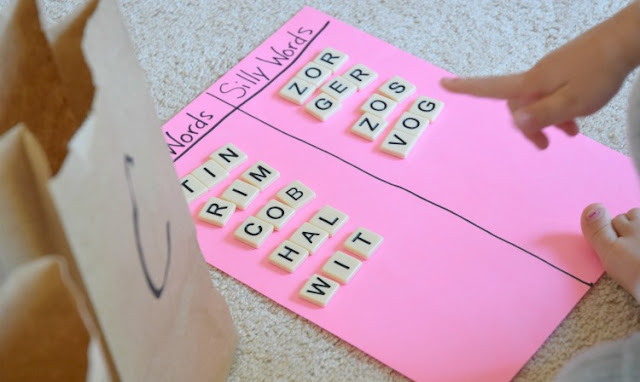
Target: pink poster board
482 255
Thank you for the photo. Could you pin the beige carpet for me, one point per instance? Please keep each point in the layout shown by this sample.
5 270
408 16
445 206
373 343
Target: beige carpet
185 45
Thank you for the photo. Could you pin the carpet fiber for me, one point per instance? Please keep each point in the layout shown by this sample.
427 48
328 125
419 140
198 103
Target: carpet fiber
184 46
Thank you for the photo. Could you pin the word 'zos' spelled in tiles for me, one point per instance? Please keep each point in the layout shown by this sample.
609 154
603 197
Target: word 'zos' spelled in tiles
319 290
288 256
379 105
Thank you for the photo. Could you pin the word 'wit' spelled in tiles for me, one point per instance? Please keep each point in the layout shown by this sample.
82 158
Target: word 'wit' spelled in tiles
212 172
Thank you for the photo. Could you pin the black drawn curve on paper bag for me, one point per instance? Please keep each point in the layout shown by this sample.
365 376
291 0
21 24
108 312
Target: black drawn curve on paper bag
157 291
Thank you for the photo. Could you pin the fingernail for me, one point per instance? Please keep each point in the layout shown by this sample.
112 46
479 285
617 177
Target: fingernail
522 118
594 214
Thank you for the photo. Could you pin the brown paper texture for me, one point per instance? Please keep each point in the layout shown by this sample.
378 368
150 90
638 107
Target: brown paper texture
144 305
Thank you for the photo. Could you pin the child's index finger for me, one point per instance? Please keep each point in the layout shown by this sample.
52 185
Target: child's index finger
502 87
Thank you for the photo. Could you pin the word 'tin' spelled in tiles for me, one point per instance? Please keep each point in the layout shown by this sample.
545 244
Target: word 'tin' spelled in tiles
212 172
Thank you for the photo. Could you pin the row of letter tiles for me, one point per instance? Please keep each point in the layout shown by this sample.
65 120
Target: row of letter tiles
405 133
212 172
275 214
308 238
341 267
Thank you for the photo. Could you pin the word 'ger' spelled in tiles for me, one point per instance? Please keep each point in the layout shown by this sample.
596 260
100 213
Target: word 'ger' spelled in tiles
407 129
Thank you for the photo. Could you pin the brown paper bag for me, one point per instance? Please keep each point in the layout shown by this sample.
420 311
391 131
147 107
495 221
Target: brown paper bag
100 272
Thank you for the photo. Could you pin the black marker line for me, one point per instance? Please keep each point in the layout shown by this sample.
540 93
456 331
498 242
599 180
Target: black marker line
254 94
421 198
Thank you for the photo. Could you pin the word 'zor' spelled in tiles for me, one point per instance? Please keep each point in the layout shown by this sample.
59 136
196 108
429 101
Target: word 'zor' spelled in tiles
212 171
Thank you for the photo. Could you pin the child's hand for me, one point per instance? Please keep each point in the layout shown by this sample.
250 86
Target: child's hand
573 81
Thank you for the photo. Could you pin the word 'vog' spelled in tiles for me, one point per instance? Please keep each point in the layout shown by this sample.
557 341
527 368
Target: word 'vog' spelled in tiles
331 58
276 213
217 212
260 175
427 107
360 75
192 187
363 242
398 143
341 267
253 232
379 105
339 88
309 237
369 126
296 195
397 89
323 106
297 90
319 290
210 173
314 73
240 193
288 256
329 219
411 123
229 156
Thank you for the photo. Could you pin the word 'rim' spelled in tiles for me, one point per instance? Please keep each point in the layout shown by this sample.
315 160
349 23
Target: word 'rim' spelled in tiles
323 106
341 267
297 90
217 211
397 88
329 219
379 105
210 173
363 242
276 213
296 195
369 126
319 290
427 107
360 75
331 58
309 237
240 193
288 256
253 232
314 73
260 175
229 156
411 123
398 143
192 187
